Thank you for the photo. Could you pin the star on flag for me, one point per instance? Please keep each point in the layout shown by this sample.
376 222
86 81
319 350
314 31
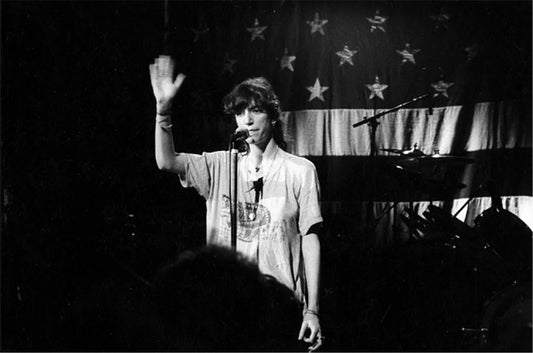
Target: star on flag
317 24
257 31
316 91
377 22
286 61
228 64
441 87
471 52
376 89
441 20
346 55
408 54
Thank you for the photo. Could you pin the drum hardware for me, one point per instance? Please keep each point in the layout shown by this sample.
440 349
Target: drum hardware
373 124
415 180
474 330
472 335
450 245
501 256
435 160
486 246
413 231
489 186
417 225
497 248
417 158
504 234
440 218
434 174
506 323
408 152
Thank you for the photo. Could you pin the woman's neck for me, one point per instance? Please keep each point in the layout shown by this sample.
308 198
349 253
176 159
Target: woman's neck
256 153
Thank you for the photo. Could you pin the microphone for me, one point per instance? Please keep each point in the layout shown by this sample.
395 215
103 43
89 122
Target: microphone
430 104
240 134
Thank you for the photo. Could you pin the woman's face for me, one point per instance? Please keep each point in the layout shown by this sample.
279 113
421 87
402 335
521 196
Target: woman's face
258 124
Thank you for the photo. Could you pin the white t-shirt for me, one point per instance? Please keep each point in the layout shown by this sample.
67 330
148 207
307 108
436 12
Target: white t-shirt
268 232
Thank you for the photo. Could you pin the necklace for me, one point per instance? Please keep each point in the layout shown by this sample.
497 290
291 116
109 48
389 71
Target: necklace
254 175
258 188
257 176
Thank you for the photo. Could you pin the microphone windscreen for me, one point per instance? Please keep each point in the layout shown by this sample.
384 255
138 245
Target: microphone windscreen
240 134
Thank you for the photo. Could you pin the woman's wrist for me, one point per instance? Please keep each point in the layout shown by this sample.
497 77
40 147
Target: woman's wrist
163 118
164 121
313 312
163 115
164 108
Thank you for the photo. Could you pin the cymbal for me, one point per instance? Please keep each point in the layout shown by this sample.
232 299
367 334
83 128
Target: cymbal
431 160
408 152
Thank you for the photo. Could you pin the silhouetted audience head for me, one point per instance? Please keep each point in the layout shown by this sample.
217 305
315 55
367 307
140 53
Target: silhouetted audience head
215 300
211 299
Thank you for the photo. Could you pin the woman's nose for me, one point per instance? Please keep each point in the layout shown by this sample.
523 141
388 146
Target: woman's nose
247 118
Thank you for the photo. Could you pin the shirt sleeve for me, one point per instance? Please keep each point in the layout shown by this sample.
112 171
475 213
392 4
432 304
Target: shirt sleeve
309 200
199 170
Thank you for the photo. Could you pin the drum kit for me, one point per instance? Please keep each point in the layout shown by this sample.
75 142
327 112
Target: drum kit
497 247
429 173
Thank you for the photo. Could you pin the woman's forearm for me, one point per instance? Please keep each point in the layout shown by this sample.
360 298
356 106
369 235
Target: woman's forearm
165 152
311 257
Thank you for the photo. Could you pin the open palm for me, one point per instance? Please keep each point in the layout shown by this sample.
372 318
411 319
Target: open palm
163 84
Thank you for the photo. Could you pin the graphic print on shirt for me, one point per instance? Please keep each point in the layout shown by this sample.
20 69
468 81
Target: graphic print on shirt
255 222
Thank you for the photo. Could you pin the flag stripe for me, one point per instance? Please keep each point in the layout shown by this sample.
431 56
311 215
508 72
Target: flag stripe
505 124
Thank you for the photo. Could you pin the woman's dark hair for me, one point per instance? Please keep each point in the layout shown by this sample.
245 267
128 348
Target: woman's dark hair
256 92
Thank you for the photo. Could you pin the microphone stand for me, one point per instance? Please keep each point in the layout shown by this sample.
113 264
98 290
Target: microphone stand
373 123
236 147
233 158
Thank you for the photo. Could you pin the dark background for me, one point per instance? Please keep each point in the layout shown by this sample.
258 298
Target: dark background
87 215
82 196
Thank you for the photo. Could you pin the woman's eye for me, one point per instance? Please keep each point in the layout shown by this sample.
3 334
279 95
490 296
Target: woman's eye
256 110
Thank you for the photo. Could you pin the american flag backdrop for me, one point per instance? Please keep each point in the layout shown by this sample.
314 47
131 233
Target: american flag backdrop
336 63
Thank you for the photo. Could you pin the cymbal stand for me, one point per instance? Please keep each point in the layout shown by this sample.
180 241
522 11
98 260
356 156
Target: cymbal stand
495 198
373 123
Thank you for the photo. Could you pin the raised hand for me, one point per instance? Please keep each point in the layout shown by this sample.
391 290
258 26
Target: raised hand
164 86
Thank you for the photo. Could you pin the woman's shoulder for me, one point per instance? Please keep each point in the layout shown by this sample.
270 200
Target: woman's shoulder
216 154
211 158
297 161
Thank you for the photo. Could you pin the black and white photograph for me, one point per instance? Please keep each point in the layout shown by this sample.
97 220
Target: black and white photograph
270 175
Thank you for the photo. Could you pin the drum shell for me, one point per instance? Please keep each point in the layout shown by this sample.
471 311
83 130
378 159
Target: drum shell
507 237
506 322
